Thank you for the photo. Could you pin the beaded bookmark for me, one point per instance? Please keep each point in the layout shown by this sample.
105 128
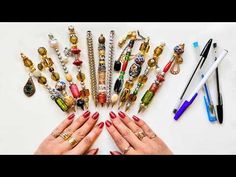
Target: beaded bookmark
134 71
55 95
74 52
101 97
132 36
160 77
151 64
53 43
92 70
109 67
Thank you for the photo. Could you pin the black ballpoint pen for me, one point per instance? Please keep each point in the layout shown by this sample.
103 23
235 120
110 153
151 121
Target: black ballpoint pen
219 107
203 55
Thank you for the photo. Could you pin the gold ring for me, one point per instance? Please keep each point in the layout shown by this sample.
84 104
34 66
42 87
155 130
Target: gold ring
140 135
126 149
153 136
65 136
72 141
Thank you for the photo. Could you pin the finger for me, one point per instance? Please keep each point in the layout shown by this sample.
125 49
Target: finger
93 151
61 127
129 122
147 130
115 153
125 131
87 142
75 125
121 142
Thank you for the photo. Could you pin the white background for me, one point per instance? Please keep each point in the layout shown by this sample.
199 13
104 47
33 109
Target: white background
24 122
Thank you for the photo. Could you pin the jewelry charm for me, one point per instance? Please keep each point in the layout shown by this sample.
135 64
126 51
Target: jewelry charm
134 71
74 51
101 71
92 70
120 80
29 88
47 63
109 67
160 77
151 64
55 95
175 69
60 86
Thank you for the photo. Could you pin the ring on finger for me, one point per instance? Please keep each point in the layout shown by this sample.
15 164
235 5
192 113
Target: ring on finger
65 136
73 142
140 135
126 149
153 136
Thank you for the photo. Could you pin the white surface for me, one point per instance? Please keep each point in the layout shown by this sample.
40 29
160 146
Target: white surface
24 122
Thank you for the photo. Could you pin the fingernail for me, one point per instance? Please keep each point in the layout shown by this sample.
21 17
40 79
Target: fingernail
112 115
96 151
86 114
115 153
100 125
121 114
108 123
112 153
95 115
71 116
135 118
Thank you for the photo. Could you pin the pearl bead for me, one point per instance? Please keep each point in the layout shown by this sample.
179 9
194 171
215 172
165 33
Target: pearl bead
53 43
36 73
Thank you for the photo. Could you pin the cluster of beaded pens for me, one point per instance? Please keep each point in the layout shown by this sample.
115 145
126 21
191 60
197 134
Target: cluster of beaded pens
160 77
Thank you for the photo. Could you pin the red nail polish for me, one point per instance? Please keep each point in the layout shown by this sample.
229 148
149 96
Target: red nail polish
108 123
96 151
95 115
86 114
121 114
71 116
112 115
101 124
112 153
135 118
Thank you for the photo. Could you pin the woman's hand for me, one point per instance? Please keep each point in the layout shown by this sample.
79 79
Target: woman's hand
73 136
134 136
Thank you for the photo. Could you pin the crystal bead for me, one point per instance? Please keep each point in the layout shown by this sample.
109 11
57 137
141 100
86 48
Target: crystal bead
55 76
80 76
42 51
73 39
27 62
129 84
42 80
142 79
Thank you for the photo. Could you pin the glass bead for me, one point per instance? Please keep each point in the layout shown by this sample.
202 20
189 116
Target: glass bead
117 65
132 98
55 76
40 66
152 62
51 69
42 51
69 101
101 39
29 88
147 97
36 74
142 79
80 103
42 80
60 86
80 77
129 84
68 77
27 62
124 95
73 39
61 104
84 93
118 85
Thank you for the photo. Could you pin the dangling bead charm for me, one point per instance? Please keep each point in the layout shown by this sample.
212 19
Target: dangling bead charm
29 88
175 69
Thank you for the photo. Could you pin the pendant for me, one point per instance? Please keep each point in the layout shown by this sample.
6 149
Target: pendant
29 88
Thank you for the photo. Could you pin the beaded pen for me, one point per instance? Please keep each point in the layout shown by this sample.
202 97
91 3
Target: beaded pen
152 63
74 51
53 43
55 95
134 71
92 70
120 80
101 97
160 77
109 67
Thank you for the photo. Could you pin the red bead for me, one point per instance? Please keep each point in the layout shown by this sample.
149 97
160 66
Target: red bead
160 78
124 66
77 62
153 87
74 90
167 67
102 98
75 50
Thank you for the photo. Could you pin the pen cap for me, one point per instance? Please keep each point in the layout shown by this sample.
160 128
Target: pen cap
206 49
